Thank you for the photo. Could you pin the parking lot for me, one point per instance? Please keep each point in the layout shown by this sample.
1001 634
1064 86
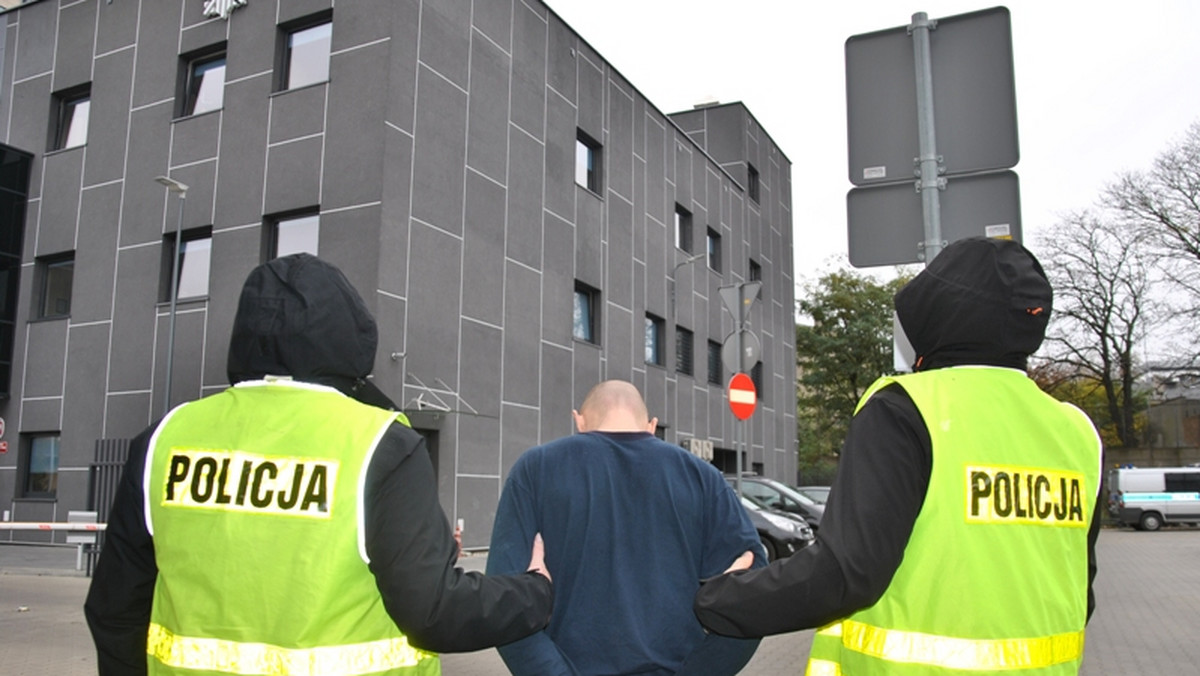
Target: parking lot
1145 623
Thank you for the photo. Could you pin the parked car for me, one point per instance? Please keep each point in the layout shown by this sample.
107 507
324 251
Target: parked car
819 494
782 534
778 495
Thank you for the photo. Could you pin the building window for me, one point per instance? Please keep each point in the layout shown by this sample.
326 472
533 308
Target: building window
684 358
204 85
306 54
195 258
72 111
55 276
714 250
756 377
587 323
41 466
683 229
755 275
714 363
654 340
298 233
752 182
587 162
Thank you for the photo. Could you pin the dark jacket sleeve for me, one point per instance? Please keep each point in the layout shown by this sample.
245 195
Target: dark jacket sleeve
122 588
412 549
882 478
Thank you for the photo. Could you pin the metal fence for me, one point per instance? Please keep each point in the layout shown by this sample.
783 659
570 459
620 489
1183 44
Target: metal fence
104 475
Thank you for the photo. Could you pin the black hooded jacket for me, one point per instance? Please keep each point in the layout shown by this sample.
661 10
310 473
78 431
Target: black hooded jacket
980 302
299 316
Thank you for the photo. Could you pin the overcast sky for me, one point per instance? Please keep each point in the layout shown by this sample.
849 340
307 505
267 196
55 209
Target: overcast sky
1102 87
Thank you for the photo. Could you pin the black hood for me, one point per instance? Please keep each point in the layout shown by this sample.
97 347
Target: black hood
981 301
299 316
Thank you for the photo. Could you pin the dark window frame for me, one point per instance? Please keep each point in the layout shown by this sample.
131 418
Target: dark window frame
593 180
683 229
756 376
752 182
65 106
713 242
656 327
714 363
592 298
270 245
187 92
283 55
685 351
43 268
26 488
168 263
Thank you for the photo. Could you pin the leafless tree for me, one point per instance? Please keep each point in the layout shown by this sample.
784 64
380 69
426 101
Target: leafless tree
1162 207
1104 306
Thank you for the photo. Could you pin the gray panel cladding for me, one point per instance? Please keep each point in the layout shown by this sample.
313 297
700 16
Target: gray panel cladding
200 32
525 173
556 393
440 153
482 355
297 113
529 70
618 154
195 139
519 432
494 19
478 444
252 45
591 99
116 26
589 239
87 376
34 45
559 190
42 415
394 221
353 171
157 54
294 175
435 274
620 252
558 281
402 65
291 10
521 334
92 291
243 154
46 348
656 166
108 122
483 269
73 55
190 321
487 109
623 330
561 59
235 252
445 38
143 210
60 202
133 317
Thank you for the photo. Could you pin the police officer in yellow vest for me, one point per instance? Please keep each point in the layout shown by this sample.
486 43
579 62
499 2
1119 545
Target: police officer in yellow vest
290 524
960 532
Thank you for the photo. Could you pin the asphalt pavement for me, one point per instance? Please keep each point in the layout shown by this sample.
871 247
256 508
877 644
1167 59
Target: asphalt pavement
1146 619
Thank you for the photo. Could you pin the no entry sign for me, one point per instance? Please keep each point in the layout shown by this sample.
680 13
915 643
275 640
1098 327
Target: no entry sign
743 398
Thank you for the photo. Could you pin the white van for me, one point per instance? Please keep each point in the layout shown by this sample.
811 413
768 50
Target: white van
1148 497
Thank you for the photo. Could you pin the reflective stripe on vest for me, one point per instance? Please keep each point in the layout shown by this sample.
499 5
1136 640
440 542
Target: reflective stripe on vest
214 654
957 653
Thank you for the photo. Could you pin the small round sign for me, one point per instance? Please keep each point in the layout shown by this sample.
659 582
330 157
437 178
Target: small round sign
743 397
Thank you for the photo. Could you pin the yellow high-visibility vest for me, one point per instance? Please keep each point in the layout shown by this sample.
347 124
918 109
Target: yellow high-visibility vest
254 501
994 576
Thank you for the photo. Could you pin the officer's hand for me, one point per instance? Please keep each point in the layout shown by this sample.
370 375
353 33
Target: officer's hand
537 563
742 562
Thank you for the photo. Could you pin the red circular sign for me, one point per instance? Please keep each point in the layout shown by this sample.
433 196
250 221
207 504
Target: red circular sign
743 398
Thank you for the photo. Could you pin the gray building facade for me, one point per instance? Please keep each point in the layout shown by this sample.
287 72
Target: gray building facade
520 219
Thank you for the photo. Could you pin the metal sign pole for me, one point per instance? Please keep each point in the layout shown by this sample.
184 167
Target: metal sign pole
930 168
739 429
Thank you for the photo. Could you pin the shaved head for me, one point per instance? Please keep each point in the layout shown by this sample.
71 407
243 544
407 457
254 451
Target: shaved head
614 406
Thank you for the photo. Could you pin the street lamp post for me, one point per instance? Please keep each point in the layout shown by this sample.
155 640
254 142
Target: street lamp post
180 189
690 259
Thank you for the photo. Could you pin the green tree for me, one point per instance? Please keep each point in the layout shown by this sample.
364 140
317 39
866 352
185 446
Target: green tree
845 344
